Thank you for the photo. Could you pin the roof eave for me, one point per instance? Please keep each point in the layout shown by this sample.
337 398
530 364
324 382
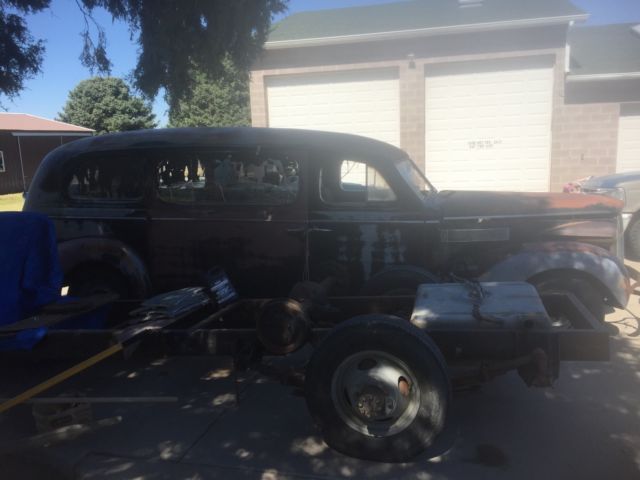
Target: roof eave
424 32
594 77
45 133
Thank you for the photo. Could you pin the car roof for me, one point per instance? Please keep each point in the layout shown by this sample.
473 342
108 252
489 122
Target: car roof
233 136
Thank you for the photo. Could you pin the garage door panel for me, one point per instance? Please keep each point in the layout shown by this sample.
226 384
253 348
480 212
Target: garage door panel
489 130
363 102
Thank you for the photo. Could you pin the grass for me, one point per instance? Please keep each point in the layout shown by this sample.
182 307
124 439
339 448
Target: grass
11 203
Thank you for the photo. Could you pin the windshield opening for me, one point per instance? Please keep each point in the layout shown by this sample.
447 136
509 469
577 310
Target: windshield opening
414 177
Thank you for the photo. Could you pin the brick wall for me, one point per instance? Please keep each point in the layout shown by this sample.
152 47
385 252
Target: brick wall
584 136
585 141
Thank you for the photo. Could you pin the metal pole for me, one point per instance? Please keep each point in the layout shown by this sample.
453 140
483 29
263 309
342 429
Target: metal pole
57 400
32 392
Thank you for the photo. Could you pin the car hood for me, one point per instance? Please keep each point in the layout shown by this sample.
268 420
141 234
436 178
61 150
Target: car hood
488 204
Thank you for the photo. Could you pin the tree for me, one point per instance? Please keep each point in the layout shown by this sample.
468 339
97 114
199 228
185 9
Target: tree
106 104
20 53
173 36
222 102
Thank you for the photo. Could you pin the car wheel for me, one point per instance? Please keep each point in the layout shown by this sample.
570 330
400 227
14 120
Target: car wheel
632 240
378 389
94 279
583 289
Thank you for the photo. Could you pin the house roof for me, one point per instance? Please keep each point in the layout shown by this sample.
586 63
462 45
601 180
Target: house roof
604 50
23 122
418 17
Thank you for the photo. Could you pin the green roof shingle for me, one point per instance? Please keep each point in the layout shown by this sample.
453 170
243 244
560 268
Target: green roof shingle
411 15
604 49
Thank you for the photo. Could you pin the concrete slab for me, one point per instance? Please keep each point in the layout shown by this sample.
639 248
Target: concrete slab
147 431
587 426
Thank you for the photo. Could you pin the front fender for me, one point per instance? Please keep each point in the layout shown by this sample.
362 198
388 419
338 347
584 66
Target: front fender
596 262
107 251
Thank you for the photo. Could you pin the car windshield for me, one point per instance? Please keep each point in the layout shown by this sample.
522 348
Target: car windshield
414 177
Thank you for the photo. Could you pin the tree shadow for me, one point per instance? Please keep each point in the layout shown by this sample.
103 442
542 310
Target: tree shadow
586 426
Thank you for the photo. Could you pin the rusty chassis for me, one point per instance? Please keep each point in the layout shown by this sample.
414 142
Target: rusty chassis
473 354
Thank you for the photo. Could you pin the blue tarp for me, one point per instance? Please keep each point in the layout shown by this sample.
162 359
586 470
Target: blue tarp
30 274
31 277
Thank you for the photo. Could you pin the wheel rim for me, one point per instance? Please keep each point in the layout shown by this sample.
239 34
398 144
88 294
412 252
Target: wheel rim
375 393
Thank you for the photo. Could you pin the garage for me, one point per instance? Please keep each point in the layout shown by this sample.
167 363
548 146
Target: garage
364 102
629 139
488 130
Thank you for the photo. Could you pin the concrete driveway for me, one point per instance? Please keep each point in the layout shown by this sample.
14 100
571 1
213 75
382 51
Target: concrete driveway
586 427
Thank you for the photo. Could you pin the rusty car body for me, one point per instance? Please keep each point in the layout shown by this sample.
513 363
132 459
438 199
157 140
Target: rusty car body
626 188
149 211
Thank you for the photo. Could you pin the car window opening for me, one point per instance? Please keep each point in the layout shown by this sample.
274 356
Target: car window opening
235 177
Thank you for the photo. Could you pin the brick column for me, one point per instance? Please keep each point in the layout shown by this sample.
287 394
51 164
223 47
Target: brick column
584 136
258 100
412 111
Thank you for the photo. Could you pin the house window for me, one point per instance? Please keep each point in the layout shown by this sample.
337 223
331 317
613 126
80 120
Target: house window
2 167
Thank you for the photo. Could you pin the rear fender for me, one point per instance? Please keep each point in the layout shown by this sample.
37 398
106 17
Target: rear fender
605 269
114 253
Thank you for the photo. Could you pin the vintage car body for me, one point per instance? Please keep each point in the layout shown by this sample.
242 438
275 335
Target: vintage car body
624 187
166 217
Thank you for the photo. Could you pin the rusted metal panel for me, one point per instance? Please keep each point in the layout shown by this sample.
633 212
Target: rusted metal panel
266 249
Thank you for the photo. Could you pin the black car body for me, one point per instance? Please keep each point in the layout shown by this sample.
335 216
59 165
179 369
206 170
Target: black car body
153 210
624 187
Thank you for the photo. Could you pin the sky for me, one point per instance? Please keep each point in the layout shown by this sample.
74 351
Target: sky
60 27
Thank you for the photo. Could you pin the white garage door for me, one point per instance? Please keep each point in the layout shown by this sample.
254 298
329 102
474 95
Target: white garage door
629 143
361 102
489 130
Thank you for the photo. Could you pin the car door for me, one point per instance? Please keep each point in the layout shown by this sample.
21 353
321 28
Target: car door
239 208
363 220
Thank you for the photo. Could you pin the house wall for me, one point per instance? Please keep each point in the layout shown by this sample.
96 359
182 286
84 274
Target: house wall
34 149
585 138
413 58
585 141
11 178
585 116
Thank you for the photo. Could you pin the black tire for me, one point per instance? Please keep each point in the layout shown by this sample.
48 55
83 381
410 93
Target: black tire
583 289
94 279
632 240
413 349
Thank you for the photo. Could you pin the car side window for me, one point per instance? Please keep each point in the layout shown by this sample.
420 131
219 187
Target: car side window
229 176
351 181
108 177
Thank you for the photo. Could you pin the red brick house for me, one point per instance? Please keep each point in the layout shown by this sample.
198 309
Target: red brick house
24 141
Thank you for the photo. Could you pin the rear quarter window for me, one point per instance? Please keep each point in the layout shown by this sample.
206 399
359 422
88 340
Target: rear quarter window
110 178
